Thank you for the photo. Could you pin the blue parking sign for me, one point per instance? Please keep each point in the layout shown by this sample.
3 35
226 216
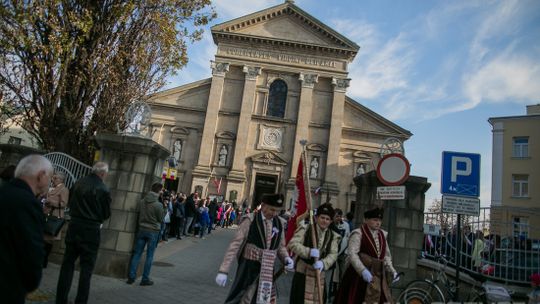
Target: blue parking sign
460 174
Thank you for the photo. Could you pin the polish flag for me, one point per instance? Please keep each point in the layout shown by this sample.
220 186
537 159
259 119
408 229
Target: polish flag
300 204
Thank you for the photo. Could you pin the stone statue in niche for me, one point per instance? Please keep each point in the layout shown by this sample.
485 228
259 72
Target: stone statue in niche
361 169
223 156
177 149
314 167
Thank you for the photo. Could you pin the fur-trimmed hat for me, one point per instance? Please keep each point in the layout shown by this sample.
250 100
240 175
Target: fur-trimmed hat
276 200
327 209
374 213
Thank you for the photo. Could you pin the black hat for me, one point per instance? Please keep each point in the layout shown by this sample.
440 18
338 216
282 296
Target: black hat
374 213
327 209
276 200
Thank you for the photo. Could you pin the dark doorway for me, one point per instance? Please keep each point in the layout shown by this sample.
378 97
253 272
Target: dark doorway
263 184
171 185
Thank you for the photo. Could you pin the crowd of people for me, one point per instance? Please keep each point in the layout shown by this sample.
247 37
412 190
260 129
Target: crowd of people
29 194
332 261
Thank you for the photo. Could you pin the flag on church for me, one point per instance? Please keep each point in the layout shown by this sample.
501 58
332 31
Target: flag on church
218 185
317 190
300 204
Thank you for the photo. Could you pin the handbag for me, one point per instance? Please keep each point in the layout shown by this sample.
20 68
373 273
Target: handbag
53 224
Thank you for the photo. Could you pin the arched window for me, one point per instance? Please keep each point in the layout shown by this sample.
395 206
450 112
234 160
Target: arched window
277 99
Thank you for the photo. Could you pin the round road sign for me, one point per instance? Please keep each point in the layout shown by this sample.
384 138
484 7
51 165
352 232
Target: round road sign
393 169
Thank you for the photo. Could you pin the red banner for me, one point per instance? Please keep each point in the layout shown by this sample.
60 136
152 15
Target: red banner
300 203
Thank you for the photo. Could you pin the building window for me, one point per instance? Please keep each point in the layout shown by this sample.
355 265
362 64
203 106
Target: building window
277 99
521 227
14 140
520 147
520 185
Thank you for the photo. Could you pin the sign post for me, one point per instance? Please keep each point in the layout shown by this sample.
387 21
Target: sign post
460 187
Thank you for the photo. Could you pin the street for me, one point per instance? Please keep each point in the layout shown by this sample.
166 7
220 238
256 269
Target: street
183 272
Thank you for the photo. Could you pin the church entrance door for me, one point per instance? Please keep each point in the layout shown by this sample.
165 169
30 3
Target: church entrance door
264 184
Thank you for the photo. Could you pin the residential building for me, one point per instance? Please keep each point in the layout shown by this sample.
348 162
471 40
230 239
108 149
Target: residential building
515 190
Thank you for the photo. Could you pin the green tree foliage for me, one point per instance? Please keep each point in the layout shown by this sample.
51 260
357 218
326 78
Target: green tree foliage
72 67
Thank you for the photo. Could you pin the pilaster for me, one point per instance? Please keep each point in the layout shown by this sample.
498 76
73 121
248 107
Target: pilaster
219 70
334 141
304 115
248 98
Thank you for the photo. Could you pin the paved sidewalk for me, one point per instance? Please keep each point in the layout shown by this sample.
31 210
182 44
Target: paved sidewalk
183 272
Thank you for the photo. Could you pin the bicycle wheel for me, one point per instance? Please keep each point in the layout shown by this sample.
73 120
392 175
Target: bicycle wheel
421 292
414 296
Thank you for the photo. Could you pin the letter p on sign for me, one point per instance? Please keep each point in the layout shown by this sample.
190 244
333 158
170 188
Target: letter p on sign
460 174
456 171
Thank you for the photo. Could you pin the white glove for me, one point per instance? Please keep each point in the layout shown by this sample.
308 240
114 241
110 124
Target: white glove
318 265
395 277
314 252
289 264
221 279
366 275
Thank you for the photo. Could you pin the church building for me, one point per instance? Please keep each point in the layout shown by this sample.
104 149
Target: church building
279 76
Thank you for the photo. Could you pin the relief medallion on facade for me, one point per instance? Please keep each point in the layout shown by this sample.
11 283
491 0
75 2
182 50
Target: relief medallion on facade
270 138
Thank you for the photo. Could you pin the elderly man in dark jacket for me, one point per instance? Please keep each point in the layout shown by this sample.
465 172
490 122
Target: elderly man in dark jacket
90 205
21 228
151 215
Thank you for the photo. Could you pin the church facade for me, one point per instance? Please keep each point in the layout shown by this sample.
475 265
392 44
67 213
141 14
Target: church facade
279 76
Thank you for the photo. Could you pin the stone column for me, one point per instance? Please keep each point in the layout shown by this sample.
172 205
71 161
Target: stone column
334 138
135 163
237 176
304 116
403 219
219 69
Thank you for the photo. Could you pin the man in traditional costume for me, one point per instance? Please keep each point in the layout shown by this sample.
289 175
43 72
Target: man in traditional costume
365 278
313 259
259 240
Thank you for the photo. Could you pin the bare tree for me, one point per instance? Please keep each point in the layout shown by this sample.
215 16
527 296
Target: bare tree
71 67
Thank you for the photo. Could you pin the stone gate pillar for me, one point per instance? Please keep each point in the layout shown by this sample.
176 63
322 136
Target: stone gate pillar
403 219
134 164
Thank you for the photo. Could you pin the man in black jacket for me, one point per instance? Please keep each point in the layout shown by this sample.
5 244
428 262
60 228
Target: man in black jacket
90 205
191 211
21 228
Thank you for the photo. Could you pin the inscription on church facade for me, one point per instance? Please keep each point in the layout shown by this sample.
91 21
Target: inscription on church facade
269 55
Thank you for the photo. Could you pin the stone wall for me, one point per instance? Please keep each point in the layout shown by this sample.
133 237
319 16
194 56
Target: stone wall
134 164
403 219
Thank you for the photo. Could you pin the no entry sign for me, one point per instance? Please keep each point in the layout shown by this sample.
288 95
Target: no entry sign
393 169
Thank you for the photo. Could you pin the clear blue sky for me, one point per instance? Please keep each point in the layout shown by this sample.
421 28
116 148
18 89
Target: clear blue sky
437 68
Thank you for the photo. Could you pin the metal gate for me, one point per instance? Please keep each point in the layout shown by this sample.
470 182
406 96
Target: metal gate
71 167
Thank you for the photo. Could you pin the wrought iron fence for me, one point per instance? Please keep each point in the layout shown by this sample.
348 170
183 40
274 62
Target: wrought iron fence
71 167
490 249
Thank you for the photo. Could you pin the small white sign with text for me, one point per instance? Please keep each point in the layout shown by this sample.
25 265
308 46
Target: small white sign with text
461 205
391 192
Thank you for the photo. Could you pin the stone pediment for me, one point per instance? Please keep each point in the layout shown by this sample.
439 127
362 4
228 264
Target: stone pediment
285 23
288 27
358 118
268 158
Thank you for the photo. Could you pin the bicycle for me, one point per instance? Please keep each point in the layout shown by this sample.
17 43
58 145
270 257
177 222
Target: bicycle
428 291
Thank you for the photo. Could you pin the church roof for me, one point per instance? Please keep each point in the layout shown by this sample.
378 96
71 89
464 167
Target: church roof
389 125
273 25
